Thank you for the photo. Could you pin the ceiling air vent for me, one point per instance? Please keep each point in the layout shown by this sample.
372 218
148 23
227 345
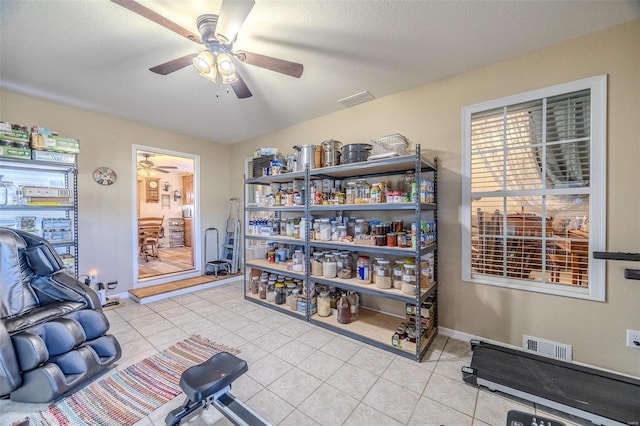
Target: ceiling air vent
546 348
356 99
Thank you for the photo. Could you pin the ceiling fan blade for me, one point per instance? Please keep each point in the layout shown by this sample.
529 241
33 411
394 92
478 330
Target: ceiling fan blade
240 88
175 65
166 167
159 170
230 18
292 69
145 12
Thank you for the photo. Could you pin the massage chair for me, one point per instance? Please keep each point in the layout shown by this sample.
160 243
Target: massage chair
53 334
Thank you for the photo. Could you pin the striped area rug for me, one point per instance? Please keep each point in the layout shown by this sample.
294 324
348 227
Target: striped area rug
126 397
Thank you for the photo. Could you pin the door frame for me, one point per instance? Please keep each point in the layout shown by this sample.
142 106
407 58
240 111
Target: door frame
196 238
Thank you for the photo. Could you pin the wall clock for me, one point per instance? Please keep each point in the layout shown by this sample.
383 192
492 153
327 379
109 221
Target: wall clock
104 176
153 187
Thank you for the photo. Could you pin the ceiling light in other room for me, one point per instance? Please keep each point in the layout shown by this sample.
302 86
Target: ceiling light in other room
356 99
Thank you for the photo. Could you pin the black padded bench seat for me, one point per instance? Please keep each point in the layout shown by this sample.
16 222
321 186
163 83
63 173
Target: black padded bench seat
216 373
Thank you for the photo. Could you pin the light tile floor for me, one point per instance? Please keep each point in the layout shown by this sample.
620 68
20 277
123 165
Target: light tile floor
300 374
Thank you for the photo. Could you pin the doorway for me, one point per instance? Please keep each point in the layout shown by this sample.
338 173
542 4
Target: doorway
165 193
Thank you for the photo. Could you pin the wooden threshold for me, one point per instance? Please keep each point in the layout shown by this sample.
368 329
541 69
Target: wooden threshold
155 290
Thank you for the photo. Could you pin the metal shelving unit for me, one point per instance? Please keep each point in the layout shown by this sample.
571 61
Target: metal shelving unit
23 172
372 327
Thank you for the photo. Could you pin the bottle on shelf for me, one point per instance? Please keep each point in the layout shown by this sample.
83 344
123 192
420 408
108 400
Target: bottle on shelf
344 310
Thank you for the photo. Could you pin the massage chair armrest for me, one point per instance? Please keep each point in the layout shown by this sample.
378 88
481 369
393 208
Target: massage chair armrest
62 286
10 377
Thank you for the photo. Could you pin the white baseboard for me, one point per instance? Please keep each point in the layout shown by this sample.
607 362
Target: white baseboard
466 337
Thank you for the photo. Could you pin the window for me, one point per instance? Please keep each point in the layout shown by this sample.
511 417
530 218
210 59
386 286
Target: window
534 190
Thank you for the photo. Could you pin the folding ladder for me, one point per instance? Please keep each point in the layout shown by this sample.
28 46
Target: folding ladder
230 247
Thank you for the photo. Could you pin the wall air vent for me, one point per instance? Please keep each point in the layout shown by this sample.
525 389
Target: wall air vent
356 99
546 348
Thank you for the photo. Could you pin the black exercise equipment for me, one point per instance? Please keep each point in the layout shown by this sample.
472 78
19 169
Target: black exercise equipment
518 418
208 384
598 396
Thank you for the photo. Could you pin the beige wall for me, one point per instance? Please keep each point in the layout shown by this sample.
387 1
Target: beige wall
106 213
431 115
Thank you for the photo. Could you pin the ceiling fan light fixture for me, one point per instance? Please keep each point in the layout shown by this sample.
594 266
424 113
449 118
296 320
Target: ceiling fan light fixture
225 64
204 62
228 79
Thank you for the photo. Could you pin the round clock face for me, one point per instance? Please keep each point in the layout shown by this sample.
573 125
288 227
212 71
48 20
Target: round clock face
153 184
104 176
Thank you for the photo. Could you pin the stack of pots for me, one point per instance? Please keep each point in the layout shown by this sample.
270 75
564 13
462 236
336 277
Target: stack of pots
331 153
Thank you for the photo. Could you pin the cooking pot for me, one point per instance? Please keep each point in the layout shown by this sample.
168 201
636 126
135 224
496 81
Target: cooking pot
355 153
331 151
305 155
291 161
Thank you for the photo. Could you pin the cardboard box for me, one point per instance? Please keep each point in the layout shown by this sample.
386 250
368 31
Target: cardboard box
58 157
58 236
361 242
55 143
302 305
11 152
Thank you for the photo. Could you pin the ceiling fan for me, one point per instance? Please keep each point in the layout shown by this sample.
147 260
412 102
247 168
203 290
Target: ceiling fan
217 34
147 164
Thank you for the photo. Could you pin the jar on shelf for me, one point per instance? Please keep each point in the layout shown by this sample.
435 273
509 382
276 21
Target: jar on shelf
364 270
298 261
316 264
329 267
334 230
271 291
375 193
402 238
283 227
262 288
342 231
409 279
344 266
334 296
255 284
363 192
293 301
396 274
281 294
290 285
325 229
312 230
324 304
341 197
392 239
359 229
350 193
354 300
409 179
302 233
383 274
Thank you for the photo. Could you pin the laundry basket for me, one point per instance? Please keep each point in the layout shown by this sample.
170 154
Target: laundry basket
389 146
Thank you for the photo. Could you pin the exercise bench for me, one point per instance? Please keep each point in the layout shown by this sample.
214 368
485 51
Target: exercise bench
209 384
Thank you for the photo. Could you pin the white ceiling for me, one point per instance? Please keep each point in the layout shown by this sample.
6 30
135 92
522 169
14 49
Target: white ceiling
95 55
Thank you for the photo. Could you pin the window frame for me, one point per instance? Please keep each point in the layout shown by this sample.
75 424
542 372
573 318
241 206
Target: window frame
596 290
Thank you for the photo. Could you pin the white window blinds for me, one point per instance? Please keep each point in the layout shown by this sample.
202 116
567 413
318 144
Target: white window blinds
528 195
